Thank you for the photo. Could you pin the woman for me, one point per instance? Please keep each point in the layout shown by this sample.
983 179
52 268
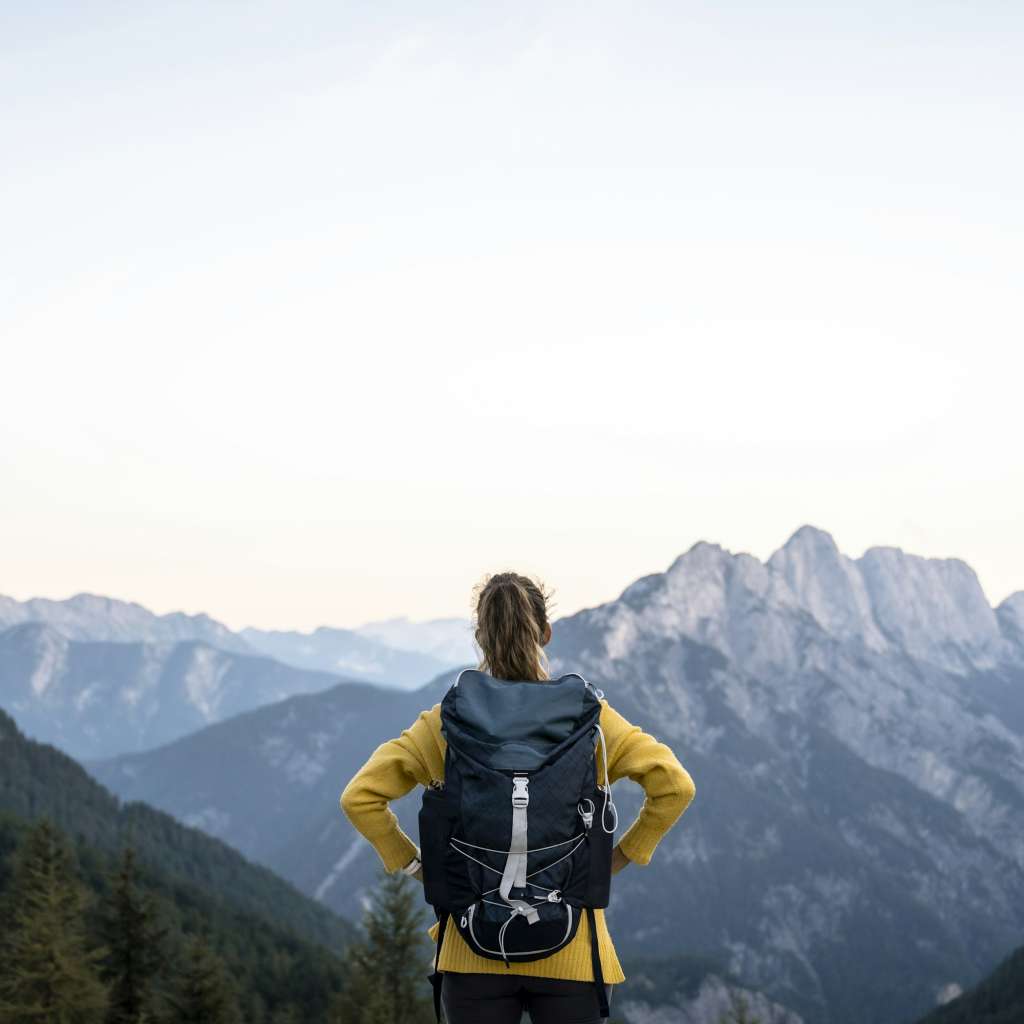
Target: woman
511 630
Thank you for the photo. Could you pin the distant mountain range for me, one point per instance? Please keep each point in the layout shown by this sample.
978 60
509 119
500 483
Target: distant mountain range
395 652
98 698
100 677
855 729
88 617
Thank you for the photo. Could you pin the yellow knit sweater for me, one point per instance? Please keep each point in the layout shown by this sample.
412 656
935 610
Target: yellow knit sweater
417 757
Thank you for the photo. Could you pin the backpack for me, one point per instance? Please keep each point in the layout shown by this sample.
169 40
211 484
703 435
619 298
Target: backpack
516 843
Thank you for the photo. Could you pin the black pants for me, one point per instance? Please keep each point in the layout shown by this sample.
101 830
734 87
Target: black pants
502 998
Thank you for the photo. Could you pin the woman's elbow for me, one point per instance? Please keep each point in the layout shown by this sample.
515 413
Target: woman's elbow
684 787
350 800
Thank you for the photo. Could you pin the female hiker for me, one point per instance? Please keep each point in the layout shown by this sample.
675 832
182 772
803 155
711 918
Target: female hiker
497 724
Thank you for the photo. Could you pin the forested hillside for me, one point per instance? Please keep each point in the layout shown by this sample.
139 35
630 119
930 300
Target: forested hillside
197 950
998 999
36 779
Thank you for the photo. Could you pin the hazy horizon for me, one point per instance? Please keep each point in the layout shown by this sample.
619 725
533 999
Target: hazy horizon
315 313
399 615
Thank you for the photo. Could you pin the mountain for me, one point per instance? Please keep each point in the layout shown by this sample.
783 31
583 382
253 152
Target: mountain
93 618
99 698
690 990
268 781
272 970
99 677
37 779
855 729
350 653
449 640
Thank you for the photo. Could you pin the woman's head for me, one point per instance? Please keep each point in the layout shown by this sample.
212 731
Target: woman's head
511 626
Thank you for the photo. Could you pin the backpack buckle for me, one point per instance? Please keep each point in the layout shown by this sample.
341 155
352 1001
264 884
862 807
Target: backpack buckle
520 791
586 813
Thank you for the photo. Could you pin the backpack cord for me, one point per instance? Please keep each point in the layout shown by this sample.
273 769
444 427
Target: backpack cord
607 787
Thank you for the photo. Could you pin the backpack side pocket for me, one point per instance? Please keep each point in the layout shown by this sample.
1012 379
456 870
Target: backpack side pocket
436 823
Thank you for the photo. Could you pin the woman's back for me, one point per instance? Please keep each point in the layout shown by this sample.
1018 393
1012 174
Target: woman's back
417 757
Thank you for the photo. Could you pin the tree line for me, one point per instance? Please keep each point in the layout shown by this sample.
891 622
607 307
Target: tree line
72 955
75 954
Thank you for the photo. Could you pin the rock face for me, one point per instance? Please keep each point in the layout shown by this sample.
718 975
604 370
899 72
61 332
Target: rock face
855 731
714 1000
97 699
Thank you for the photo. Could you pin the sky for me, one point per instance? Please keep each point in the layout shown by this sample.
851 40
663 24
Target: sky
315 313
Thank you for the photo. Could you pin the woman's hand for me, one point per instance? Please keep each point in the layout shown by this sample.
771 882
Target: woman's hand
619 860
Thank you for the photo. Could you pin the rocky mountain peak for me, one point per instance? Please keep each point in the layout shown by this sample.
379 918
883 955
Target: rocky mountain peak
931 608
1010 614
828 584
934 608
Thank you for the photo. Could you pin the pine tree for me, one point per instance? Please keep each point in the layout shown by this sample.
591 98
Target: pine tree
385 972
48 972
136 947
205 993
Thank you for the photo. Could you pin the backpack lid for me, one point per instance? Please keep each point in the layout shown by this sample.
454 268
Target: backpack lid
516 724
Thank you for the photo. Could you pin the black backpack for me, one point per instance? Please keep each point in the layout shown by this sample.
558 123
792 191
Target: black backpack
516 843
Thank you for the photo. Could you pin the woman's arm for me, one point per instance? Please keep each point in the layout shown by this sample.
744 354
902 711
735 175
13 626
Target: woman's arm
668 787
392 770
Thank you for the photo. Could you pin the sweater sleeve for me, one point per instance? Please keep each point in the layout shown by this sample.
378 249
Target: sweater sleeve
391 771
668 787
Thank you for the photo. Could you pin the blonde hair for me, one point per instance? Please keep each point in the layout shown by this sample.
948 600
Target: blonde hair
509 618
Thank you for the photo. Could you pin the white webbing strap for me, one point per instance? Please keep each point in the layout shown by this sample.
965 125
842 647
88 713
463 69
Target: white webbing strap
515 867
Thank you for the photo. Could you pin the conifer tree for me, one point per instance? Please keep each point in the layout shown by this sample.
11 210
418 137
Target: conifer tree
385 972
48 971
206 994
136 946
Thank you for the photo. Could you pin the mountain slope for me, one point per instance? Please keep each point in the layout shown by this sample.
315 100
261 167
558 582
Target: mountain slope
96 699
853 727
690 990
272 967
38 779
270 780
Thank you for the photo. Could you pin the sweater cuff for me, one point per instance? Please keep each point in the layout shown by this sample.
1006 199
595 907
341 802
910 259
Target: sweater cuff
395 849
638 842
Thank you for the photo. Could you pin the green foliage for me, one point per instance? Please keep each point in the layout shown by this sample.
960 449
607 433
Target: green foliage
206 994
385 975
49 967
37 779
273 967
135 941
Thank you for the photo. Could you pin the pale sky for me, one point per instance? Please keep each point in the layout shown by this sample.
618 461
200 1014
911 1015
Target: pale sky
316 312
